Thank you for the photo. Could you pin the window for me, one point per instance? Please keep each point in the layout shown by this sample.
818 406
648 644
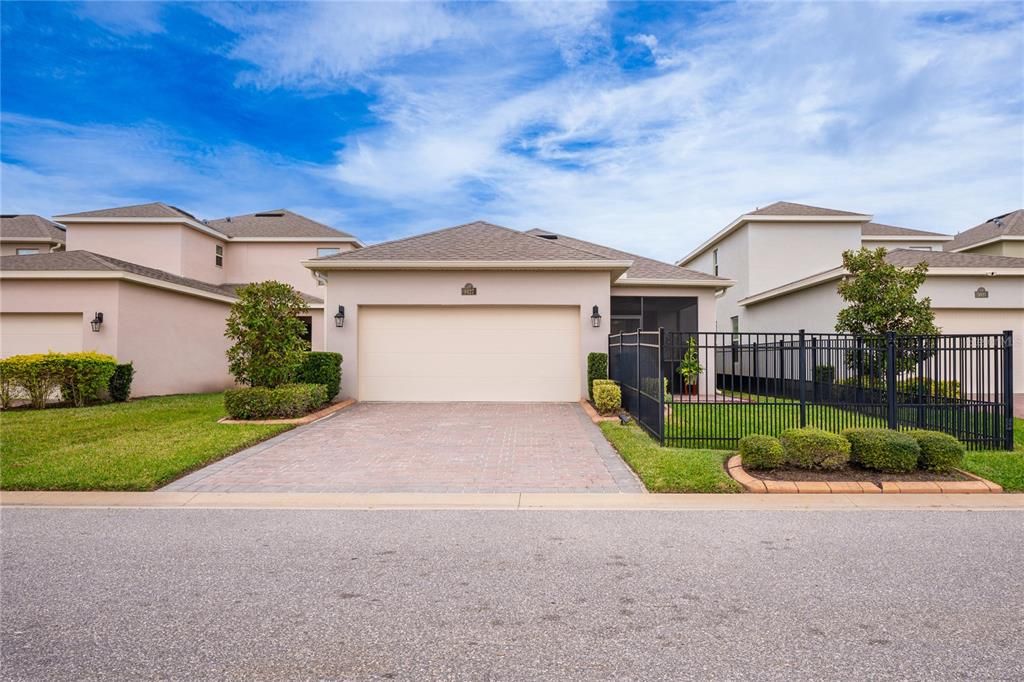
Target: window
735 322
327 251
920 248
26 252
714 262
219 257
307 333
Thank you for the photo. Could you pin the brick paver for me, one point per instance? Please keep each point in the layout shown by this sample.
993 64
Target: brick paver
428 447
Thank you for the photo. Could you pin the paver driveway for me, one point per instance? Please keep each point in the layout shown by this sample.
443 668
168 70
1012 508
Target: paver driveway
428 447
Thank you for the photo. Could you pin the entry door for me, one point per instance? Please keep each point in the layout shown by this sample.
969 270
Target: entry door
469 353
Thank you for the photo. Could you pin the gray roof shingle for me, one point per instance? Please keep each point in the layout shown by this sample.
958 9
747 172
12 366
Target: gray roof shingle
29 226
155 209
785 208
1010 224
642 268
275 223
946 259
880 230
89 261
477 241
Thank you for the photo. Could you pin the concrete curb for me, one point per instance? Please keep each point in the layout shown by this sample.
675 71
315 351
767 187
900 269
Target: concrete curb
512 501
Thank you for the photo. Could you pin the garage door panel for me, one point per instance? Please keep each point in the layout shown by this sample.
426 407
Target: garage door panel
470 353
24 333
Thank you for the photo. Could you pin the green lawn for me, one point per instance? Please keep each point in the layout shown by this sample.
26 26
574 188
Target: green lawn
670 470
999 466
139 445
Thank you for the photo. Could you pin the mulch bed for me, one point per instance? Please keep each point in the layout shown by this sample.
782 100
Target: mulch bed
852 474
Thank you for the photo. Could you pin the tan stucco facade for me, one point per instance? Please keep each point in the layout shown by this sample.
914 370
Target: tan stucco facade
281 261
892 244
1003 247
9 248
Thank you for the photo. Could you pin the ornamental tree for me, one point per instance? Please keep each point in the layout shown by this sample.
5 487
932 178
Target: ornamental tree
267 333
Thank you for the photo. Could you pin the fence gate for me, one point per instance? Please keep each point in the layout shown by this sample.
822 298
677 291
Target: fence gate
709 389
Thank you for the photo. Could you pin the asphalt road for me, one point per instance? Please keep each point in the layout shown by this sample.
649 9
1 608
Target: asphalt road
244 594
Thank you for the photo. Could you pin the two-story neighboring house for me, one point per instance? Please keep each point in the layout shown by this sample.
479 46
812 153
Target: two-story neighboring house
999 236
152 284
27 234
786 260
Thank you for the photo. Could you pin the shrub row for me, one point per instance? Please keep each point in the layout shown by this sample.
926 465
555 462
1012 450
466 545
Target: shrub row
879 449
80 378
284 402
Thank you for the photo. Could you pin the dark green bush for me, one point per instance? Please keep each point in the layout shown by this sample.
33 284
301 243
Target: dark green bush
883 449
761 452
597 368
939 451
321 368
120 384
811 448
282 402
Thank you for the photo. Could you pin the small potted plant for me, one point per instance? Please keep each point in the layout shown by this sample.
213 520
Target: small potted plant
690 368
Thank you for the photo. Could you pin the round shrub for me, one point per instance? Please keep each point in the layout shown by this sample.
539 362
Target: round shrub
607 398
120 384
883 449
318 367
761 452
940 452
811 448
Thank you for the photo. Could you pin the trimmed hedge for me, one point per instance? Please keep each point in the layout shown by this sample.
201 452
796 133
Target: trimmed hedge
607 398
321 368
81 377
811 448
761 452
883 449
120 385
940 452
597 368
283 402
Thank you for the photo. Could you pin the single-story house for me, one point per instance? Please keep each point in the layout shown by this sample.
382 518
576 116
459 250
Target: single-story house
480 312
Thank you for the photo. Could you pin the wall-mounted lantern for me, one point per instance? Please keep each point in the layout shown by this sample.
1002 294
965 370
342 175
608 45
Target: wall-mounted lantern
595 317
339 317
96 322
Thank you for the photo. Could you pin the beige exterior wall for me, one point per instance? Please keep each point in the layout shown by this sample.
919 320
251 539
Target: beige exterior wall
733 263
11 248
318 327
581 290
892 244
199 257
26 333
155 246
176 341
1005 247
784 252
813 309
281 261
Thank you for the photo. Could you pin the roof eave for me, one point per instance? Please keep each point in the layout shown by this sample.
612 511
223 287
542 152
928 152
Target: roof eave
33 240
990 240
906 238
116 275
333 240
163 220
751 218
341 264
704 283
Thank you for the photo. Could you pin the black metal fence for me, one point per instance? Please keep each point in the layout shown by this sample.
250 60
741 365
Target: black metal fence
709 389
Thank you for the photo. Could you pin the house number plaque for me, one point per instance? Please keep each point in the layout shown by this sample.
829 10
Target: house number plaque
469 290
981 292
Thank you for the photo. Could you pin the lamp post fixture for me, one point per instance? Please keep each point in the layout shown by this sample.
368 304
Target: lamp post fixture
595 317
96 322
339 317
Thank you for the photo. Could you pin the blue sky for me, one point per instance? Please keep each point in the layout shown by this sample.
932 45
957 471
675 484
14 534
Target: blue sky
645 126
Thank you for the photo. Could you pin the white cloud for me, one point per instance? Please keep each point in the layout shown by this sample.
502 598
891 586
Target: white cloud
124 18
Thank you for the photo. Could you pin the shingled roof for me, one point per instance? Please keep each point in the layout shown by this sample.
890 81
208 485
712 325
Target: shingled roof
880 230
947 259
78 260
642 268
276 223
1009 224
29 226
477 241
787 208
156 209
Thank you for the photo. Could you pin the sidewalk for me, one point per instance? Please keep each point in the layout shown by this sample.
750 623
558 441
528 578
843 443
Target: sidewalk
509 501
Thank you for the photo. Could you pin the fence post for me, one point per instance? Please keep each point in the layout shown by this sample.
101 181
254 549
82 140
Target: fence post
803 384
890 377
814 370
1008 387
661 384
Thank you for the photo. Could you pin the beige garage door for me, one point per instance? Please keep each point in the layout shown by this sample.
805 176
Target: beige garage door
469 353
40 332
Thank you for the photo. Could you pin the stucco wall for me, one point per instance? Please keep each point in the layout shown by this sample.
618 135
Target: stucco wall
281 261
813 309
974 321
784 252
68 296
890 245
198 257
1001 248
155 246
176 341
11 248
352 289
733 263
